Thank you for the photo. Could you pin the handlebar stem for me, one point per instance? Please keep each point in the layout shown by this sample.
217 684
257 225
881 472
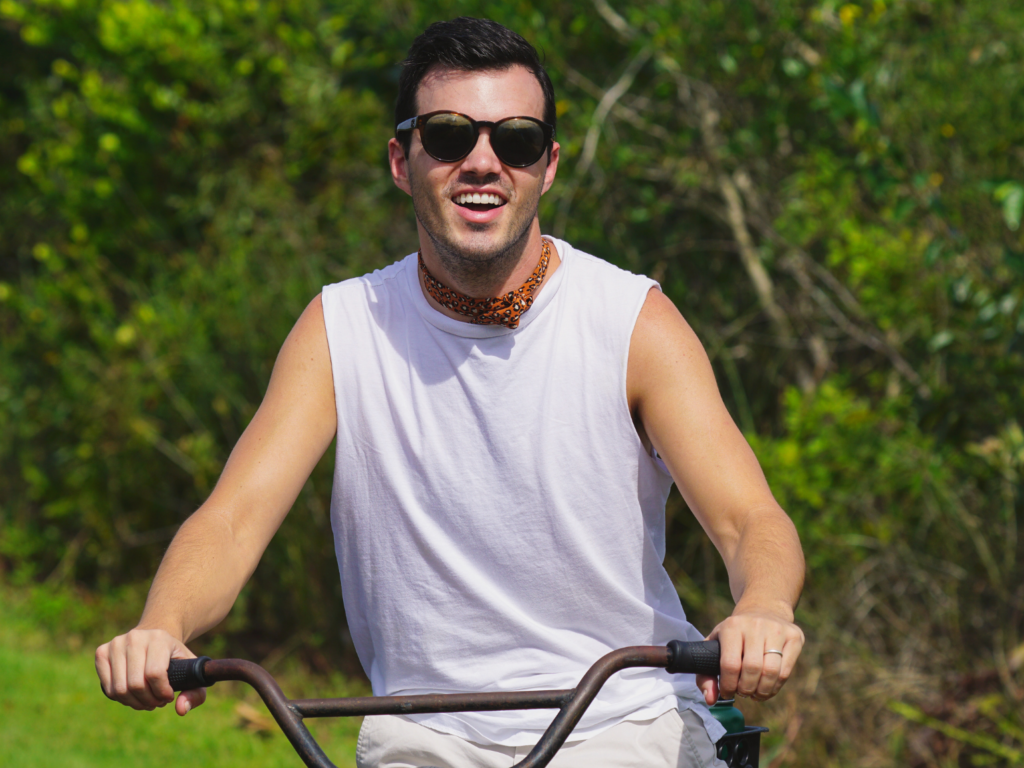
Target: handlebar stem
556 734
288 718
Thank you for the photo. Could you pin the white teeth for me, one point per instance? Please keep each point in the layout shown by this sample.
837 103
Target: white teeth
478 199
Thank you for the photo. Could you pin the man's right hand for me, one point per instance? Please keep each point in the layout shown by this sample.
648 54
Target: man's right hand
133 670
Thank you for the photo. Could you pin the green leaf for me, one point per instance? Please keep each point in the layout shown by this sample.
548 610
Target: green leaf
939 341
1011 195
981 741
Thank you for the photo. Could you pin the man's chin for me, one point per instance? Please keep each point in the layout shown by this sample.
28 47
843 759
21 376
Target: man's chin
481 244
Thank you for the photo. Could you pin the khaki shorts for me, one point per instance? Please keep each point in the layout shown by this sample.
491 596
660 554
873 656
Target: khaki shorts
674 740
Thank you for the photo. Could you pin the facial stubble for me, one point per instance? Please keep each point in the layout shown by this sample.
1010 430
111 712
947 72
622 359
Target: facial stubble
477 273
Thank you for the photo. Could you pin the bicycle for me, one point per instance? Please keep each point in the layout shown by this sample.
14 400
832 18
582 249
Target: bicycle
739 748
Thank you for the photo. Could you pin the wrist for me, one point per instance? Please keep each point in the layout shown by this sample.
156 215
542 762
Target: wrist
781 609
175 630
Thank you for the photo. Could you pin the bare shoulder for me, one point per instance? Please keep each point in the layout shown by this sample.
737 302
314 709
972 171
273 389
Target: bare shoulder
305 351
665 353
302 384
310 328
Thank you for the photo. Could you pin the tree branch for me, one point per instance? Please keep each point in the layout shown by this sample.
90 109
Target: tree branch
795 265
708 116
604 106
615 21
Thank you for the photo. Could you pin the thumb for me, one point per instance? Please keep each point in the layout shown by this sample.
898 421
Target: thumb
180 651
709 687
189 700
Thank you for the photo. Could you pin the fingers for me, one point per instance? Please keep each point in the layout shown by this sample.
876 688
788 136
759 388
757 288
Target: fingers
750 665
155 672
103 667
731 663
119 690
133 668
771 666
138 652
790 653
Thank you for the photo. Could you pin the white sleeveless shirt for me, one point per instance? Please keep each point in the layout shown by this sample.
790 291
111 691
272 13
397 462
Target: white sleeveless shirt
498 523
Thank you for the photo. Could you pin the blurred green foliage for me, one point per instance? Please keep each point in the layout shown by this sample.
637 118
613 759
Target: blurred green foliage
831 192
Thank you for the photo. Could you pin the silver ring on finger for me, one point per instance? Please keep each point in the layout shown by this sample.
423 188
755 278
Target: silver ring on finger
772 650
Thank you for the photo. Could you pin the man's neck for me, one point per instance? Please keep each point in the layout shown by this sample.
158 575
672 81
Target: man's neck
488 280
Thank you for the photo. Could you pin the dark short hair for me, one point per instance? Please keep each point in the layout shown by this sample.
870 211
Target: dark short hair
469 45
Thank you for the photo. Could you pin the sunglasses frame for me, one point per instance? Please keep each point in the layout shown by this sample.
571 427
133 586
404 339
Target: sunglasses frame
419 120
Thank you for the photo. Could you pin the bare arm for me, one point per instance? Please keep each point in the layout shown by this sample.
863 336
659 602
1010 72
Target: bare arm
218 547
674 397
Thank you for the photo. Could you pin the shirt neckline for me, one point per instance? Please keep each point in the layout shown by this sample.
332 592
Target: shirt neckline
455 327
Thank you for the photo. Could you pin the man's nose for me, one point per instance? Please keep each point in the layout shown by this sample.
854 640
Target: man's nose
481 160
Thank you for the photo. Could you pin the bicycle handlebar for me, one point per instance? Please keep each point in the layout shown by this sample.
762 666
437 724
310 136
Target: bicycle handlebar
678 657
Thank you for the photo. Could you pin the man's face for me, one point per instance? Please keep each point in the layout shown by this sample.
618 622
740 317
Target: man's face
475 232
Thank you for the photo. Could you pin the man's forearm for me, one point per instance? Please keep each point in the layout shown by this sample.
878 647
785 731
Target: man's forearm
766 565
199 578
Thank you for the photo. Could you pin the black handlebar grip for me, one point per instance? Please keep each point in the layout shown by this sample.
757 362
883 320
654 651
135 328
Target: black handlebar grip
700 658
186 674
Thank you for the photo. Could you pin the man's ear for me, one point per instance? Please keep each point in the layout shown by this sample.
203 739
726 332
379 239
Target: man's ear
551 169
399 164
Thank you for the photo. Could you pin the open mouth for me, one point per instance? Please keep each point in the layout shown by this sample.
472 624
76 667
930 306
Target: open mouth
476 201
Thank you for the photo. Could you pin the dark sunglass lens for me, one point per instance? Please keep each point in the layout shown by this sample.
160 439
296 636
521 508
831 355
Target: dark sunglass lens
518 142
448 137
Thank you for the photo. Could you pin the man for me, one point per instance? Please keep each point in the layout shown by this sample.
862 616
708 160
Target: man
502 463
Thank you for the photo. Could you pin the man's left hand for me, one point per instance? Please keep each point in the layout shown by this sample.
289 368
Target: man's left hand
750 668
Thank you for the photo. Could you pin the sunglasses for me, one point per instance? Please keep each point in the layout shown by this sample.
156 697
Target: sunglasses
449 136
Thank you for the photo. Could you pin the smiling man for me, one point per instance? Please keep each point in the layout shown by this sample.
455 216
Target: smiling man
510 414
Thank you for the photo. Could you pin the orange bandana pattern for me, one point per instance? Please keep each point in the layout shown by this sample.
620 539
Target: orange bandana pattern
503 310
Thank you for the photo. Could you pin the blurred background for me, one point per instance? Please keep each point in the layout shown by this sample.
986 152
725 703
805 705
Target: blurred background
832 193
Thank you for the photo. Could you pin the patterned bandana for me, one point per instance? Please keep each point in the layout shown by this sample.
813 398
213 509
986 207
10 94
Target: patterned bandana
504 310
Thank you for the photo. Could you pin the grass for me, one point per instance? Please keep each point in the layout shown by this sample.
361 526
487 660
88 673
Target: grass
52 713
837 711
